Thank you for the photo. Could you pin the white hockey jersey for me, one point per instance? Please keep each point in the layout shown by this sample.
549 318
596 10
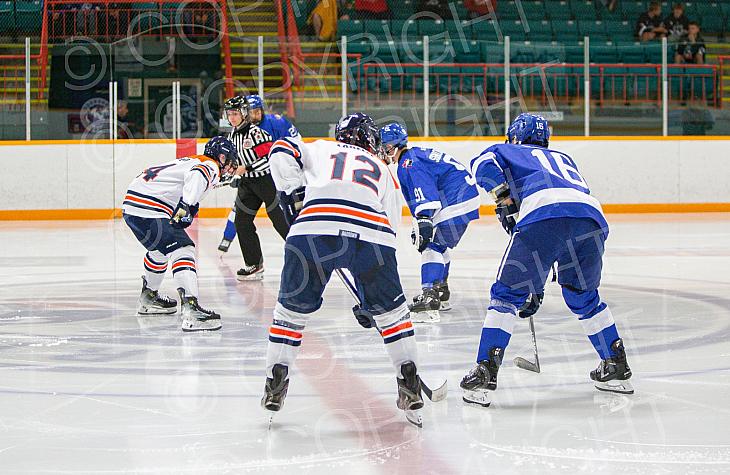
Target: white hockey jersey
349 191
157 190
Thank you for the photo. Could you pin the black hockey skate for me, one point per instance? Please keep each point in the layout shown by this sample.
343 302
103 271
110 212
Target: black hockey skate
409 393
255 272
224 245
425 307
152 303
195 317
444 294
482 379
613 374
276 388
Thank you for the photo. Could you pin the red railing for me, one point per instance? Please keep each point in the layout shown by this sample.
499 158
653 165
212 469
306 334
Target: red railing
626 83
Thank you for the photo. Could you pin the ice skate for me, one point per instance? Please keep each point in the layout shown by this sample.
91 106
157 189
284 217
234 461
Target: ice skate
444 294
275 389
409 393
224 245
255 272
613 374
482 379
196 318
152 303
425 307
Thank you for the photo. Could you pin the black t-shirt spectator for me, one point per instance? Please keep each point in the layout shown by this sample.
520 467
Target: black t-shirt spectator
647 23
690 50
676 27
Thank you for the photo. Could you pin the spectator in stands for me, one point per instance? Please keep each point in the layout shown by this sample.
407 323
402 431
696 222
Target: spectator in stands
691 48
86 19
478 8
324 20
372 9
676 23
649 26
198 19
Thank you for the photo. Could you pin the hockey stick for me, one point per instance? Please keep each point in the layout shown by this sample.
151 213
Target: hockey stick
435 395
521 362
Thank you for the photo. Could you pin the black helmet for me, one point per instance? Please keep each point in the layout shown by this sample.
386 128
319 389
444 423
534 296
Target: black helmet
237 103
218 146
358 129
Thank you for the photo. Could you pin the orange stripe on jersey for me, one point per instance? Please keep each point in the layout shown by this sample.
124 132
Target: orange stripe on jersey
203 169
282 332
396 329
345 211
143 201
286 145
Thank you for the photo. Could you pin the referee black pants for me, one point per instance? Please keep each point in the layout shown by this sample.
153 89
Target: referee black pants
251 193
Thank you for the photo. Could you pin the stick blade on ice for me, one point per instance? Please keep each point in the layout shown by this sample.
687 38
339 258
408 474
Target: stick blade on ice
520 362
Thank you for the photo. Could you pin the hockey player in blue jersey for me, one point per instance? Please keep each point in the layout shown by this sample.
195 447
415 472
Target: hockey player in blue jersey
276 126
546 206
442 197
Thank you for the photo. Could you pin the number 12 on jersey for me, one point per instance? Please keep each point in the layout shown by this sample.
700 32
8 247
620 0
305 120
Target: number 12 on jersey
367 176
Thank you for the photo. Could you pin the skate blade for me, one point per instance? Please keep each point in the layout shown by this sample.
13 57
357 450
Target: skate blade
186 327
249 278
156 311
445 306
415 417
429 316
479 398
615 386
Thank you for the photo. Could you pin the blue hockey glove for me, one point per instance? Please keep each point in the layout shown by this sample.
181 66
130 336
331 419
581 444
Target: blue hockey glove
424 236
364 318
183 215
291 204
531 306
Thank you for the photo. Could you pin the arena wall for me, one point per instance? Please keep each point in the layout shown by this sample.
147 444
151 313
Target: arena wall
85 180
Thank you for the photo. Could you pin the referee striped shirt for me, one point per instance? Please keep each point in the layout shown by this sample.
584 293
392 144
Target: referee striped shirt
253 145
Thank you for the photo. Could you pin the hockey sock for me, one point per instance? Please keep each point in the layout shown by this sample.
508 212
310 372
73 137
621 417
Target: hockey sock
447 265
285 338
498 326
183 270
397 332
230 232
432 267
601 329
155 265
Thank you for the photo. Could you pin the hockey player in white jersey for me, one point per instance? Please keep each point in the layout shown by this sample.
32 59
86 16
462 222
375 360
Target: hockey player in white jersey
343 201
160 203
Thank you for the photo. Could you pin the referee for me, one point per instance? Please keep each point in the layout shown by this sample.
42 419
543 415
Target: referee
255 186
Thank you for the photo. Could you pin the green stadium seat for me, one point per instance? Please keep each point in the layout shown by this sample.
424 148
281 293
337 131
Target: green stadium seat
574 54
377 28
508 10
584 10
713 24
514 29
596 30
492 52
402 10
541 31
398 28
468 52
7 17
653 53
565 31
704 9
29 15
523 53
619 30
632 9
558 10
725 7
604 54
487 31
458 31
534 11
430 28
551 53
349 27
632 55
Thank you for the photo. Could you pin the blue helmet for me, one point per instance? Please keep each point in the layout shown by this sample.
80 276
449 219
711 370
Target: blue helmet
358 129
394 134
218 146
529 129
255 102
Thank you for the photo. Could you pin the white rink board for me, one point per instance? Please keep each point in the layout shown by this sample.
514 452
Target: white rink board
95 176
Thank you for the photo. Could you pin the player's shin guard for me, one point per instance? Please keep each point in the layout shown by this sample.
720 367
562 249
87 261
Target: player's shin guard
229 233
184 271
432 267
155 265
398 336
285 338
498 326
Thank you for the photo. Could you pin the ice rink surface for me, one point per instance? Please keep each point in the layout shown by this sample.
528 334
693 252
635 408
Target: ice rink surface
86 386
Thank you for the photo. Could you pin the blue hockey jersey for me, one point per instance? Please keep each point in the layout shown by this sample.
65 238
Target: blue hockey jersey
437 185
544 183
278 127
